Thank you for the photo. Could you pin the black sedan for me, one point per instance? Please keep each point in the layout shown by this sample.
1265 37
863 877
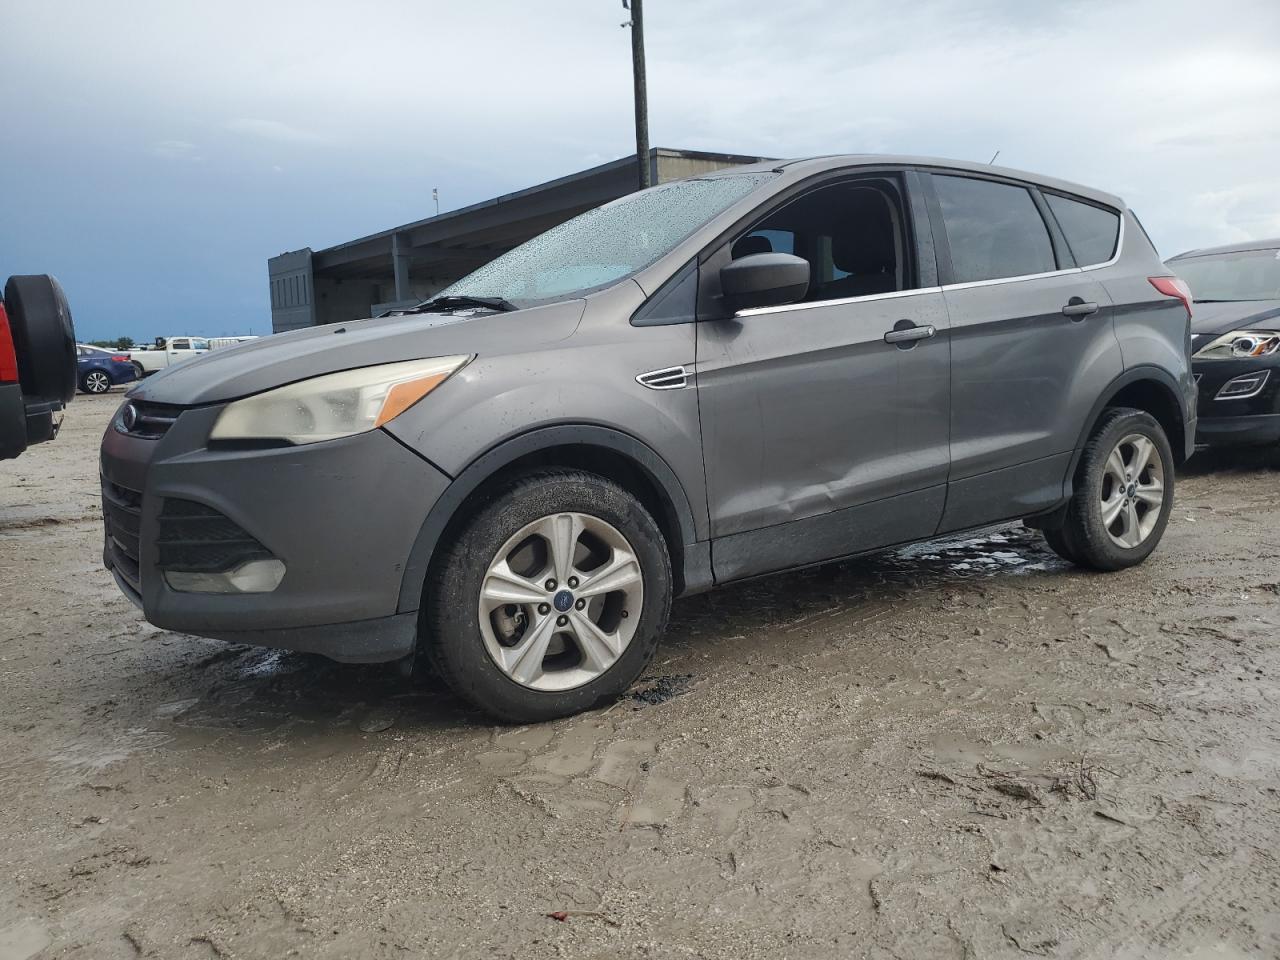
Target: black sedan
1235 340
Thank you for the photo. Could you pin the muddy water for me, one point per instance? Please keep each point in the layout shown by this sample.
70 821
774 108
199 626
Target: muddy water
964 749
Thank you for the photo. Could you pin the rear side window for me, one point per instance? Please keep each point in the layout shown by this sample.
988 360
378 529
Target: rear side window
1091 231
994 230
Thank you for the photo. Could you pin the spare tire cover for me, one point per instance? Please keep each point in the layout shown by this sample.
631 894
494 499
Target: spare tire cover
43 337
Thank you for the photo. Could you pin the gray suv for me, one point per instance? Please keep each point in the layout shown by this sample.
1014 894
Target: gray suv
746 372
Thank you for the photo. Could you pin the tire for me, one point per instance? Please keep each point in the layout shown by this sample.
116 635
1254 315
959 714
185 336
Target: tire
141 370
1132 534
1060 543
463 643
95 381
43 336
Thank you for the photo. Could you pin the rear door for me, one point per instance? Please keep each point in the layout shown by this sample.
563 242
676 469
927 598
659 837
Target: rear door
820 438
1032 347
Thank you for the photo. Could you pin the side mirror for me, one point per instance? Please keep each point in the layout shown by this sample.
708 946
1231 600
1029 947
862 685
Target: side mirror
764 280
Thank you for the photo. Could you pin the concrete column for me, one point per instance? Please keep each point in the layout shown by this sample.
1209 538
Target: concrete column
400 264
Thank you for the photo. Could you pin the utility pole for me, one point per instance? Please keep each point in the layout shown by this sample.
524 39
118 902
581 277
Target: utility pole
642 98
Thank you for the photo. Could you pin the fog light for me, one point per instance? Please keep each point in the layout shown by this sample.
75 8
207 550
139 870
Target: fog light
256 576
1243 387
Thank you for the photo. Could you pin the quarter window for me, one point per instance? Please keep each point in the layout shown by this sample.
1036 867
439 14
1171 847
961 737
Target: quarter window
994 230
1091 231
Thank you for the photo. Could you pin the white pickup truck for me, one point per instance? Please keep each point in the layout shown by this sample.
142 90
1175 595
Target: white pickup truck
170 350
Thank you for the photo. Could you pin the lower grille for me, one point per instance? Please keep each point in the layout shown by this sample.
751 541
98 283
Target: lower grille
195 538
122 520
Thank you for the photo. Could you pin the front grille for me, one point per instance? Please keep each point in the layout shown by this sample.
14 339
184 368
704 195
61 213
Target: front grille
122 520
196 538
152 420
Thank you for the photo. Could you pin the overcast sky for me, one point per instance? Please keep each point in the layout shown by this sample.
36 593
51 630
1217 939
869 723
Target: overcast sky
154 153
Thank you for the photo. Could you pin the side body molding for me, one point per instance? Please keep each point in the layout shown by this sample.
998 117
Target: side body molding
693 576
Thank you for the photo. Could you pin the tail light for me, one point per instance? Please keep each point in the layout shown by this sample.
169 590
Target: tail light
8 355
120 358
1175 288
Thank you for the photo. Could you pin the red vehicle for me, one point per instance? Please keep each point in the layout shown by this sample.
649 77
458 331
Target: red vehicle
37 362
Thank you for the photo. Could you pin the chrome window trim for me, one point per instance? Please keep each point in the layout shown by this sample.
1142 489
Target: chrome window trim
810 304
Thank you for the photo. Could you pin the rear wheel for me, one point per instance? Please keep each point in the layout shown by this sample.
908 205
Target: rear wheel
1123 493
95 381
551 599
1059 543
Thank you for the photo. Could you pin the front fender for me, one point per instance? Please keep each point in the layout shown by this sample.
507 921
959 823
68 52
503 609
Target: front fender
494 460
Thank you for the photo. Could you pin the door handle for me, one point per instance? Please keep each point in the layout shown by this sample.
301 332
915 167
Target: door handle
909 334
1077 309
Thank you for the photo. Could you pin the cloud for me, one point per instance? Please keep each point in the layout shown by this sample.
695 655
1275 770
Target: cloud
273 130
175 149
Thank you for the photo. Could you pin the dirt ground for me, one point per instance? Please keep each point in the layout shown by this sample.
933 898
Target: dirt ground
963 749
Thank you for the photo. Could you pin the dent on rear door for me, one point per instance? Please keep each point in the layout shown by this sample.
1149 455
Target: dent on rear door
1024 380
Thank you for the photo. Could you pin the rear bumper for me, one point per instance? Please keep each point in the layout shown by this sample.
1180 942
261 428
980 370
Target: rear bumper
24 422
341 515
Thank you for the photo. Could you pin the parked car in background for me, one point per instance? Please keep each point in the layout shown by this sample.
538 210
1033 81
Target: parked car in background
714 379
166 352
37 362
217 343
99 370
1235 340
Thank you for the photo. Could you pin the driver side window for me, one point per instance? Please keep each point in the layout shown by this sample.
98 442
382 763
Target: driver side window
852 234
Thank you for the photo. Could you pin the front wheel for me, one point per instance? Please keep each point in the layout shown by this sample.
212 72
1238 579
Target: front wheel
1123 493
551 599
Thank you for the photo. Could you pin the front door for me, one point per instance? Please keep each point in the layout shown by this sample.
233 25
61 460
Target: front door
821 438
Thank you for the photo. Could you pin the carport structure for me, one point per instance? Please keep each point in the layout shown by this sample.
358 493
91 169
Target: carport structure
406 264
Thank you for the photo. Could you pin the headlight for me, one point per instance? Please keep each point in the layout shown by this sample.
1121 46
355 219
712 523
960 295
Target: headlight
1241 343
336 404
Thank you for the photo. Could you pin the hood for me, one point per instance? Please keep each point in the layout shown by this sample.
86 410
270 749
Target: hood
229 373
1219 318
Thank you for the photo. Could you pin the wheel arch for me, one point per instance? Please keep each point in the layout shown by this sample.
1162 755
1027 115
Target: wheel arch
610 453
1147 388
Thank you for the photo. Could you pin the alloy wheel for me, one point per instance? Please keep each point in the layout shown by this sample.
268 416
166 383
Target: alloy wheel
561 601
1133 491
97 382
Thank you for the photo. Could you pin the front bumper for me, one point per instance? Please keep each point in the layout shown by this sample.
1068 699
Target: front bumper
1237 421
341 515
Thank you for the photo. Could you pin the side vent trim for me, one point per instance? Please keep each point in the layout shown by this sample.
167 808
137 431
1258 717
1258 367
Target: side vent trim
668 378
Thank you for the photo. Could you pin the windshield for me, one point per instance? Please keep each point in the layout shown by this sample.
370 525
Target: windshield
606 244
1247 275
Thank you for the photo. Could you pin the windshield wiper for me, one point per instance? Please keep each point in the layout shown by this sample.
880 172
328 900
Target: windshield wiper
449 303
